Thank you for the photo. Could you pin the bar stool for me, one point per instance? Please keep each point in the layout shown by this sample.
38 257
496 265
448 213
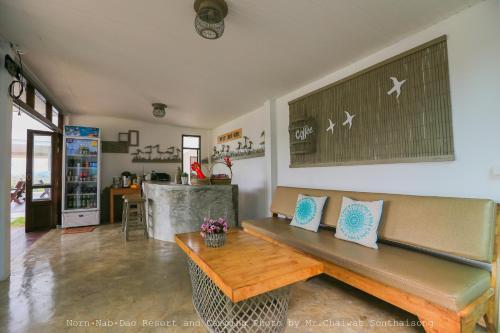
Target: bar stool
133 214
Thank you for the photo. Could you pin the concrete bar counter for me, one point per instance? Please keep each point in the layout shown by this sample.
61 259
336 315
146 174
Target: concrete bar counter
173 209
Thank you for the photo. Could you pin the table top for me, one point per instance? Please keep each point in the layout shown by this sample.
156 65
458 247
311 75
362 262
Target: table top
246 265
123 190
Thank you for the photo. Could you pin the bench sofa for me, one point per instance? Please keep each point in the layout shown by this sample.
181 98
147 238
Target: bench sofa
437 256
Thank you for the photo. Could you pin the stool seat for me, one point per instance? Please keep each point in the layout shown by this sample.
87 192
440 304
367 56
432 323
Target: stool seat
133 214
132 198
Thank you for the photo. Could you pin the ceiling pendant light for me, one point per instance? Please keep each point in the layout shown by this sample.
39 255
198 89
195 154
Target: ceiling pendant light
159 110
209 21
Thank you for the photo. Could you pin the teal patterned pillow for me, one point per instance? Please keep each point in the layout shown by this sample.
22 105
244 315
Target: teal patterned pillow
308 212
358 221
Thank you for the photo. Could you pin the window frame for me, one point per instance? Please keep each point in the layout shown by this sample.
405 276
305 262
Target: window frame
198 150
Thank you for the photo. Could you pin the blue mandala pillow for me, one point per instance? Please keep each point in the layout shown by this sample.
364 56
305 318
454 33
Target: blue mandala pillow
308 212
358 221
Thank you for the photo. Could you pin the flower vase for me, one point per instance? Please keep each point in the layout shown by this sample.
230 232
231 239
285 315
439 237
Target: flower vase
215 240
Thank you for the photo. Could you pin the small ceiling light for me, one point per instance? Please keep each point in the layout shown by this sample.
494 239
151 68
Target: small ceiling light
209 21
159 110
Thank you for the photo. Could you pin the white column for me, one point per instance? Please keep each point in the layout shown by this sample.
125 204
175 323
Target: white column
5 156
271 153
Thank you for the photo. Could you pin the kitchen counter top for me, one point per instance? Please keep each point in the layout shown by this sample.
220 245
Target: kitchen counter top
174 208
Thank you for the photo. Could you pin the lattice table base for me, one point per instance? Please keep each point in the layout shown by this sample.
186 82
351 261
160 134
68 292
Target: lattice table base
266 313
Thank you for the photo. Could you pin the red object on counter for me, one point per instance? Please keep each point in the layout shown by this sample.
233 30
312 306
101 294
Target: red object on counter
196 167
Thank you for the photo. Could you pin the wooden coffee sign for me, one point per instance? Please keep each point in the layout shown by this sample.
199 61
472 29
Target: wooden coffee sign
302 136
230 136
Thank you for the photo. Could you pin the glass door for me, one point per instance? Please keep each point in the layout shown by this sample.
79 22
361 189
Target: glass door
81 173
40 204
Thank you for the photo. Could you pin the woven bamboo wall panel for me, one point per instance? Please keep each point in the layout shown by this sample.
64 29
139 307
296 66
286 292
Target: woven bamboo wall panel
410 125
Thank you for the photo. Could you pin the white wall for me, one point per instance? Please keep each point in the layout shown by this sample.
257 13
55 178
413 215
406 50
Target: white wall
249 174
474 62
149 134
5 152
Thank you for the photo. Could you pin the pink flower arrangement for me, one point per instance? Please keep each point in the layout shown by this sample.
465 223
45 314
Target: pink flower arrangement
213 226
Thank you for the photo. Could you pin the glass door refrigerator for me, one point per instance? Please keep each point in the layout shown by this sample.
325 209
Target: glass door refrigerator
81 175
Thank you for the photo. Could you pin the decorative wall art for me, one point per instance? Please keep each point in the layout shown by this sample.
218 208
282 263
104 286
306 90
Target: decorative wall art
396 111
133 138
154 154
120 146
123 137
242 149
114 147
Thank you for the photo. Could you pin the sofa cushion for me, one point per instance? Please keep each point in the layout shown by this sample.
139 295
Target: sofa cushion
446 283
456 226
308 212
358 221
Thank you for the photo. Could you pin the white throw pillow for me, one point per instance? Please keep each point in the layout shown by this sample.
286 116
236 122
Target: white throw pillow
308 212
358 221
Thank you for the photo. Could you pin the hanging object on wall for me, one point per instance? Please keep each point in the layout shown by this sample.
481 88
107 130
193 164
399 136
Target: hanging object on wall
349 119
154 154
303 136
133 138
230 136
397 86
209 21
242 149
114 147
331 125
123 137
396 111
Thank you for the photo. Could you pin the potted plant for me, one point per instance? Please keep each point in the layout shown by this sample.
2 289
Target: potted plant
184 178
214 231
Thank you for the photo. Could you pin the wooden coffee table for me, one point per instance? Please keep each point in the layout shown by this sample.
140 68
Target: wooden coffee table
243 286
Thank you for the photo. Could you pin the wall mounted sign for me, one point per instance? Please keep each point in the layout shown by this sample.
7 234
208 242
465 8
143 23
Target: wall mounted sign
396 111
230 136
302 136
90 132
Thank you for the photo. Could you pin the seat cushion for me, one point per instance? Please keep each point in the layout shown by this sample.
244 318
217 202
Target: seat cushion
455 226
447 283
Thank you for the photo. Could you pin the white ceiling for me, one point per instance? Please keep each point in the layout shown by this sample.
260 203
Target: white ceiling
116 57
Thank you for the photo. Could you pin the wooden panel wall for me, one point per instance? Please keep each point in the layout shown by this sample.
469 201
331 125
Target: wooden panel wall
414 127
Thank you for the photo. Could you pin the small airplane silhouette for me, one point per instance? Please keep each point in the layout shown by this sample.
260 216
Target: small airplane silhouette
332 125
397 86
348 120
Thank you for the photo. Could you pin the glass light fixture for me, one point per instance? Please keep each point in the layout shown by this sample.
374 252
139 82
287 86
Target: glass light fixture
209 21
159 110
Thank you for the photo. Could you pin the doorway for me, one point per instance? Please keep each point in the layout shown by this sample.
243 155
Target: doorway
41 206
30 215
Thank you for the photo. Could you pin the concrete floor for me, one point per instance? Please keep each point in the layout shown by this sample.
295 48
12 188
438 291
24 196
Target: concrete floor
20 241
64 282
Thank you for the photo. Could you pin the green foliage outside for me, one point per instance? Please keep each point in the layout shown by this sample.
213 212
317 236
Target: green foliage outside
18 222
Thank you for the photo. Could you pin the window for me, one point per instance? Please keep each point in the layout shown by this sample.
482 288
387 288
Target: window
191 151
55 116
40 103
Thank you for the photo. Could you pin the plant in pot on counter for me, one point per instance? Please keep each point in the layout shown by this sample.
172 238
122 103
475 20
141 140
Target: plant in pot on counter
214 231
184 178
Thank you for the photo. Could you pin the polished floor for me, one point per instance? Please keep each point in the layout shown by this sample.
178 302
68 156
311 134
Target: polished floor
97 282
20 241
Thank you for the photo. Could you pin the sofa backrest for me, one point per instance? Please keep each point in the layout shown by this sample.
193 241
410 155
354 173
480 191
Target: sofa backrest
454 226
